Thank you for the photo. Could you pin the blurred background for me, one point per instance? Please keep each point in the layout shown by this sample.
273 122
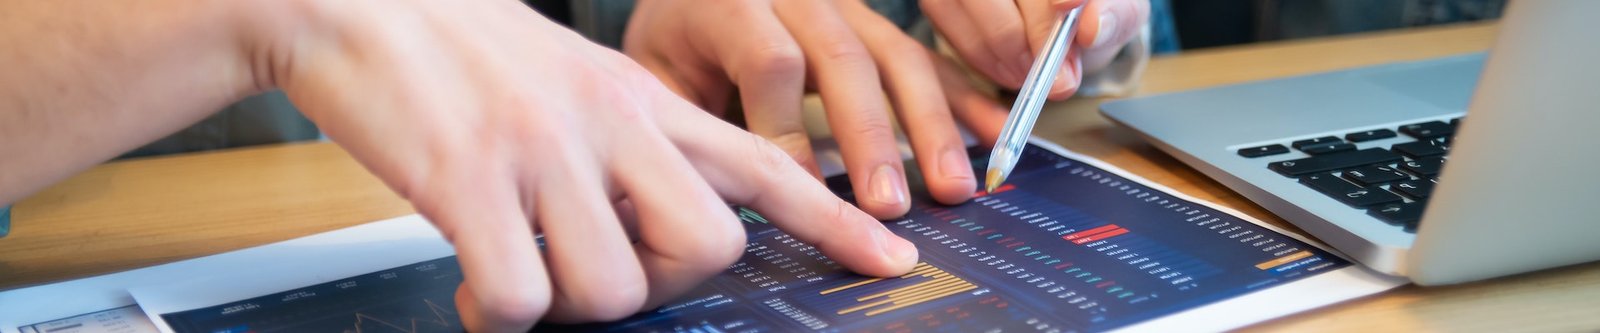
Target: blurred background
1176 26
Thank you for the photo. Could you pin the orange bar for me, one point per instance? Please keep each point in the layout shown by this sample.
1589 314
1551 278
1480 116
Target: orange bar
1269 264
1090 232
852 285
1101 236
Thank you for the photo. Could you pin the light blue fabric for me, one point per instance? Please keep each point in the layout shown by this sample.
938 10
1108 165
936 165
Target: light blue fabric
5 220
1163 30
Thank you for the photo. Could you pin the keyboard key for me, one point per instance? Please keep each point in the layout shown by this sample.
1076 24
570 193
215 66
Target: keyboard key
1348 193
1328 148
1330 162
1317 141
1327 183
1419 189
1427 166
1263 151
1374 174
1428 130
1369 197
1399 213
1369 135
1420 149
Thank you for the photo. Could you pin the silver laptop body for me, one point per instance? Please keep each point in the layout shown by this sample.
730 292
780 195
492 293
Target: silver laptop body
1519 188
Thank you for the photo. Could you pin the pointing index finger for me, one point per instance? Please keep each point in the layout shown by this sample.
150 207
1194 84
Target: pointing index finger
750 171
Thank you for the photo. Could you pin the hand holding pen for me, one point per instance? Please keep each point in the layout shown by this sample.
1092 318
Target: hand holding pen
1055 73
1025 111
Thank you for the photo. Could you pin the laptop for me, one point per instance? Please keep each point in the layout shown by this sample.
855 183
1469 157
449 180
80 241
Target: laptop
1443 171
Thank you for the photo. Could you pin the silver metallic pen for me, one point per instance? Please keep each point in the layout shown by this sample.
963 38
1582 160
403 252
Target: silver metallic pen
1031 98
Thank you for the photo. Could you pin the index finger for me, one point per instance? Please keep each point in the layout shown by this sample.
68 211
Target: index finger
750 171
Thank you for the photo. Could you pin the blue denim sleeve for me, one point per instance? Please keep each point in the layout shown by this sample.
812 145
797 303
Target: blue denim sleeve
5 220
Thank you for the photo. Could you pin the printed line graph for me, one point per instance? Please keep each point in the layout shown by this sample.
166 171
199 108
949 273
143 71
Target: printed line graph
440 318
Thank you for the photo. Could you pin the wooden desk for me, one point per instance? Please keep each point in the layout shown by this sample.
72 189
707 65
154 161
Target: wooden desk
131 214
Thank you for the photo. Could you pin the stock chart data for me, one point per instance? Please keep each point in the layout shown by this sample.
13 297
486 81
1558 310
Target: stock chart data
415 298
1064 247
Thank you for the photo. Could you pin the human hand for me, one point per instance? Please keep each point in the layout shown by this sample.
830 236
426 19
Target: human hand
498 124
770 51
1000 39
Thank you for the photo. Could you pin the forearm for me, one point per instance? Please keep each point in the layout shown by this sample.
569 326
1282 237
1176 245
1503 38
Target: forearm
86 80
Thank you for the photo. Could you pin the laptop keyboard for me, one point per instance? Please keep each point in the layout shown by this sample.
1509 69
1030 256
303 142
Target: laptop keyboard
1391 184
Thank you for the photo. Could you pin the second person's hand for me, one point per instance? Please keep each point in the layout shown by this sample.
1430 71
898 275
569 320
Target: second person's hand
770 51
1001 38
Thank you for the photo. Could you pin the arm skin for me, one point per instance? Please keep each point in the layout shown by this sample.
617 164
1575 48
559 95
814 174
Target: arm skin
495 124
78 73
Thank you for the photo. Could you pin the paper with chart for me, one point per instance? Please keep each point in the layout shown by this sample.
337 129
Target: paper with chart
1069 245
102 304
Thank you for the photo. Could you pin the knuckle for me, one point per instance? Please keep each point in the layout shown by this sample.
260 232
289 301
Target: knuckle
795 144
1008 32
874 129
771 161
620 87
605 302
778 61
842 211
515 309
721 246
730 242
711 249
845 51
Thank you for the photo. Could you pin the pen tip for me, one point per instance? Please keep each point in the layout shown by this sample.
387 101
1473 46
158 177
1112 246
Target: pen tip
993 180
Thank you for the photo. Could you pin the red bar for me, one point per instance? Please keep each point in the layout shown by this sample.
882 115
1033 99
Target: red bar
1090 232
1101 236
1002 188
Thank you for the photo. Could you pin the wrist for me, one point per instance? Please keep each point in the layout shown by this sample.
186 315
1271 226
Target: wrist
266 34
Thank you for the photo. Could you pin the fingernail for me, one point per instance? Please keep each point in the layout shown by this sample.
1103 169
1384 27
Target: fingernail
1062 83
1102 34
887 186
954 165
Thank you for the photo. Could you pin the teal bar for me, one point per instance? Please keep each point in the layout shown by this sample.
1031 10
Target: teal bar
5 220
